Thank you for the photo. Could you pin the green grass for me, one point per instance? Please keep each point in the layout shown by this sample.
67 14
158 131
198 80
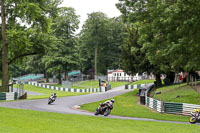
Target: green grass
47 92
142 82
187 94
27 121
126 105
83 85
86 84
116 84
92 84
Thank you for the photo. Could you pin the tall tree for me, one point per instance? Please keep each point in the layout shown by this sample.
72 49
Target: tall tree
63 56
17 36
167 32
94 34
4 46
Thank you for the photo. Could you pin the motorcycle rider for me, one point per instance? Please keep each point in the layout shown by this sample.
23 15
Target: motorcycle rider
109 102
53 96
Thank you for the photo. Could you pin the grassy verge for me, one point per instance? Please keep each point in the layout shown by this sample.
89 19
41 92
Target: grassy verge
142 82
126 105
83 84
178 93
116 84
26 121
47 92
92 84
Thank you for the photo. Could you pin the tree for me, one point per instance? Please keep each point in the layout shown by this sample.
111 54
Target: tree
111 57
167 32
94 34
63 56
4 46
17 36
134 56
103 36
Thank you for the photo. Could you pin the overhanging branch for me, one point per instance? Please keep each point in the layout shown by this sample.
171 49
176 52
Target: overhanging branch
20 56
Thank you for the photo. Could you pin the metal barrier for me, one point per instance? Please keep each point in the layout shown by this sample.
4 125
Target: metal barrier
66 89
8 95
154 104
137 86
170 107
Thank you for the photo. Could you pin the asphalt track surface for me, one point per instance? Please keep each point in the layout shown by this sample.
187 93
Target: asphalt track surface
68 105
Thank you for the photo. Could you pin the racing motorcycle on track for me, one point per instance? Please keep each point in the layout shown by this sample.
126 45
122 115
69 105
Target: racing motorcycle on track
52 98
103 109
194 117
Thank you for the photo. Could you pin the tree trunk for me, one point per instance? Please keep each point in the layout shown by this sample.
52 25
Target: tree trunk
187 79
95 61
158 82
59 78
46 76
66 76
5 78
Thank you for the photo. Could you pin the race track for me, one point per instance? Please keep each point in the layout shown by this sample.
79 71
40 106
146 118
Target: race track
68 105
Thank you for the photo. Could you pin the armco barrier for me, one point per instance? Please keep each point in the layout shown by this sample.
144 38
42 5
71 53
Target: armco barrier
173 108
137 86
8 95
170 107
188 108
66 89
154 104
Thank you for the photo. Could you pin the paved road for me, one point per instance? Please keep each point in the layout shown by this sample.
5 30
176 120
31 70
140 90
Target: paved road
67 105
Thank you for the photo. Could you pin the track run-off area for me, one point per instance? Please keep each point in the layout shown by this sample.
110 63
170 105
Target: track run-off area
69 105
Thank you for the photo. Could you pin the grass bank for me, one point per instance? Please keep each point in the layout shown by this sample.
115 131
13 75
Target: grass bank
142 82
92 84
27 121
126 105
178 93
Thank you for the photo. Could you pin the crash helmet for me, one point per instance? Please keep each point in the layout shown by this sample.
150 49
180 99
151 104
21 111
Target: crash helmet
54 93
112 100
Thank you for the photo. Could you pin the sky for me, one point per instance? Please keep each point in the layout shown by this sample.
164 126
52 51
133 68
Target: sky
84 7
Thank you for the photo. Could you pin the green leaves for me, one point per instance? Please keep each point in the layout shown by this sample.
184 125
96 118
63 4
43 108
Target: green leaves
104 35
168 33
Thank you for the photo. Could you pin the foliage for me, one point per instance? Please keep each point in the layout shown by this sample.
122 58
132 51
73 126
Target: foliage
94 36
62 55
100 40
24 40
24 21
167 35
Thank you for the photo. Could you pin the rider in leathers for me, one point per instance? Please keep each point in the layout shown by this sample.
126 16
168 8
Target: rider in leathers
109 102
53 96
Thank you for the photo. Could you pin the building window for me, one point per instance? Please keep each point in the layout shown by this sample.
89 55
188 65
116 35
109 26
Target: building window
115 74
120 74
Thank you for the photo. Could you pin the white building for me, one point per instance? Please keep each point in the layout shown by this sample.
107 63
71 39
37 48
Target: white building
120 75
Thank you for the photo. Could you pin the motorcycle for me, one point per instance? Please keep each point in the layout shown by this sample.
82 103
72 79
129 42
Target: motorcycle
103 109
51 99
194 117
